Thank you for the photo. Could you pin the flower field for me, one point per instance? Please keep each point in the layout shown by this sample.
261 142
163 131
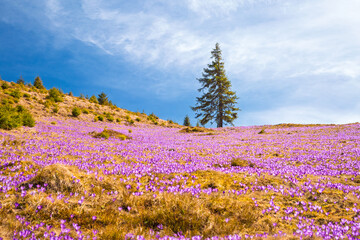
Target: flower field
57 181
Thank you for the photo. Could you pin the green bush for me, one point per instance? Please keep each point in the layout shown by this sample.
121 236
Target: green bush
16 94
4 85
85 111
93 99
26 95
55 95
138 119
76 112
55 109
11 117
100 118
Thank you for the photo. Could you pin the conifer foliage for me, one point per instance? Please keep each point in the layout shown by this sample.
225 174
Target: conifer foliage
103 99
38 83
187 121
217 102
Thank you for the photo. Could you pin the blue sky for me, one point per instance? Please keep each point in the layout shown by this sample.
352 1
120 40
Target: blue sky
288 61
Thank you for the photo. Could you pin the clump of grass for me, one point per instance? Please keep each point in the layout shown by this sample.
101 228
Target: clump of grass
237 162
106 133
262 131
56 178
194 129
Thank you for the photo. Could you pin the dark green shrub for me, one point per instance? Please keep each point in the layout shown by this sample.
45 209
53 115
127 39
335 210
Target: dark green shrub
4 85
11 117
55 95
118 120
100 118
76 112
138 119
26 95
28 120
85 111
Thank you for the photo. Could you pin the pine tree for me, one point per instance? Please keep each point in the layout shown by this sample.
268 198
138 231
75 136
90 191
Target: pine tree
218 101
187 121
103 99
38 83
21 81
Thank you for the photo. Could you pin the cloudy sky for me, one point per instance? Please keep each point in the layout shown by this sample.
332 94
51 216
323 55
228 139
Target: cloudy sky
288 60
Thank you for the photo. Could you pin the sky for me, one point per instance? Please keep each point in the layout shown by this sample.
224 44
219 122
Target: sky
289 61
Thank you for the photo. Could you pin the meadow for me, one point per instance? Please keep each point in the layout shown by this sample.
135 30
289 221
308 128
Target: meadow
60 180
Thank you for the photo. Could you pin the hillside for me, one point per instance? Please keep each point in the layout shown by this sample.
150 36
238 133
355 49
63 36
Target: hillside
76 178
38 103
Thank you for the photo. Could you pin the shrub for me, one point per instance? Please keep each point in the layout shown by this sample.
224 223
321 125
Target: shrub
118 120
16 94
93 99
55 109
11 117
4 85
100 118
109 117
76 112
26 95
55 95
85 111
28 120
138 119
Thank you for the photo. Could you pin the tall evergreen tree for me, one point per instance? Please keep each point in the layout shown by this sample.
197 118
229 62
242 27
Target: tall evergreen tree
103 99
38 83
218 101
187 121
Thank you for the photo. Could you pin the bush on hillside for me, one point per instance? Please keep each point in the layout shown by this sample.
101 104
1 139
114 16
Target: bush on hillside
4 85
16 94
13 117
55 95
93 99
76 112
